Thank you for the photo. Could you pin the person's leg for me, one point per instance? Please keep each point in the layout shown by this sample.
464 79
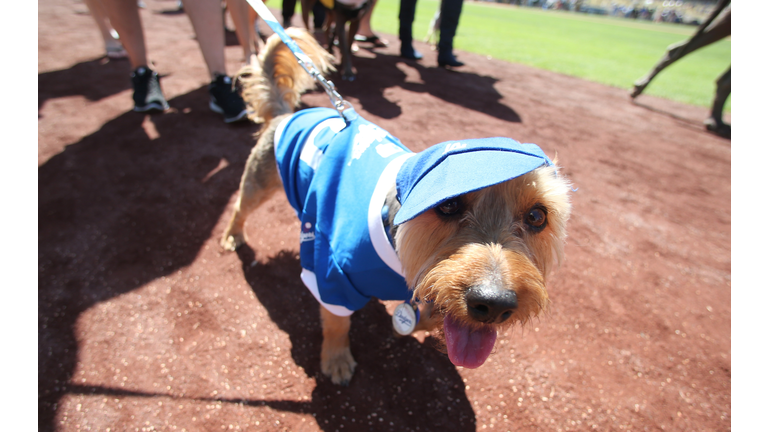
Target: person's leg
289 8
205 16
449 21
318 15
715 121
209 27
124 18
406 16
364 28
252 19
717 30
112 46
239 11
365 32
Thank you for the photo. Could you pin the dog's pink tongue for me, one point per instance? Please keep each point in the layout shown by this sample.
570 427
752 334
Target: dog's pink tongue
467 347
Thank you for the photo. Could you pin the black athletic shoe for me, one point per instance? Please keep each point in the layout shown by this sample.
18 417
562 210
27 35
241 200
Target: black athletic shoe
448 60
410 53
147 95
226 99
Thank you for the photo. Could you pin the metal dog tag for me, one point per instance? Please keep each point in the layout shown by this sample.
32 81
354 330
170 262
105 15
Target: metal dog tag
404 319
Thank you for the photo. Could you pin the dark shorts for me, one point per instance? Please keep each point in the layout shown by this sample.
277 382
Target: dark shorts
351 14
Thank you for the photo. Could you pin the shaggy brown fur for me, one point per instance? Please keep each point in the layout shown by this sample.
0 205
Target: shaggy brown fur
500 244
274 86
441 260
271 89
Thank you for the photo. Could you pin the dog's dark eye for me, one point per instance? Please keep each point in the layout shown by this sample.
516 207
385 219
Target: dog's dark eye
449 207
536 218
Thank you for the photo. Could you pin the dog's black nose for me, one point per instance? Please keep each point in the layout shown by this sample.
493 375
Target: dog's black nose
490 304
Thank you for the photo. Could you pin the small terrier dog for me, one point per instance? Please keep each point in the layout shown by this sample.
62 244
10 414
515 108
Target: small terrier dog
465 231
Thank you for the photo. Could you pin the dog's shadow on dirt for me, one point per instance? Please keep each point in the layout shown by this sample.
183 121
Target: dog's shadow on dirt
383 71
128 204
399 383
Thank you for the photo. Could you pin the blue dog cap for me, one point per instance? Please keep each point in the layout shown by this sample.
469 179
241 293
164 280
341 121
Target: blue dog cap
453 168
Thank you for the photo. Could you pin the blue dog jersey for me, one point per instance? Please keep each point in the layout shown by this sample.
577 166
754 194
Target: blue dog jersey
336 176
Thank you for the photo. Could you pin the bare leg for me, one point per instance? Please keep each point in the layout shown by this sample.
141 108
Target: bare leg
209 27
365 32
719 29
124 18
336 359
306 8
365 22
99 14
715 122
239 10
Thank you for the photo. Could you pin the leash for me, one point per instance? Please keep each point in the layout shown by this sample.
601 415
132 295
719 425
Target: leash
306 63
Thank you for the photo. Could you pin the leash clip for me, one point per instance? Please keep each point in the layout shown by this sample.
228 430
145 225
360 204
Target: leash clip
338 102
330 89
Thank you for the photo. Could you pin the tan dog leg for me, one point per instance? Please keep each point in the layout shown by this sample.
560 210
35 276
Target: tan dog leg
336 359
260 181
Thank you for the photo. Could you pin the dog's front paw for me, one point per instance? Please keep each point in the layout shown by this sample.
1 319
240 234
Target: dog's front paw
339 366
231 242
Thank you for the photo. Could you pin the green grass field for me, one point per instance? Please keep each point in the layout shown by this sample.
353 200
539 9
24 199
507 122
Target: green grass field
608 50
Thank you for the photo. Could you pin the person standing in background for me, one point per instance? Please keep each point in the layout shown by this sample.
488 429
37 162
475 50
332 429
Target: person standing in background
206 18
114 49
450 11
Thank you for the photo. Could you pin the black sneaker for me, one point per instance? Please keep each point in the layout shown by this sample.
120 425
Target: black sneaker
226 99
410 53
448 60
147 95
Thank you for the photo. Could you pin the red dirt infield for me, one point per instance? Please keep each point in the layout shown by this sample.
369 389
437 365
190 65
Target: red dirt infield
145 324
